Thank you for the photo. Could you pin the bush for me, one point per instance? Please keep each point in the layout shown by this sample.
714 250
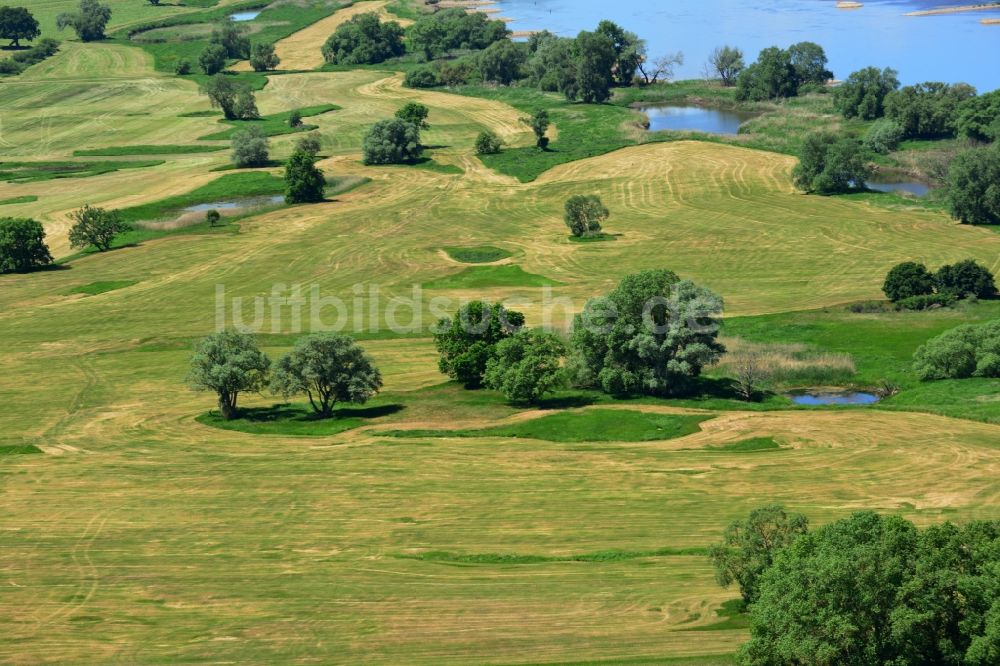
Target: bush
392 141
966 278
183 67
22 245
906 280
867 307
488 143
364 40
926 302
422 77
584 215
457 72
883 137
467 342
963 352
250 147
652 335
294 118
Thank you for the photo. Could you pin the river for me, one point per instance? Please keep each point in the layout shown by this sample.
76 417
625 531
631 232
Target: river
951 47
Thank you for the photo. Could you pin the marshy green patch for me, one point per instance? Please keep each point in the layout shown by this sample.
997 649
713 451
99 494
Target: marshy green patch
298 420
476 277
275 124
748 446
484 254
119 151
32 172
18 449
590 425
95 288
225 188
30 198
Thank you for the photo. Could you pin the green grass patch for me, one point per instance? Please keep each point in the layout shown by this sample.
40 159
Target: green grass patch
477 277
485 254
18 200
95 288
118 151
298 420
275 124
613 555
748 446
592 425
33 172
18 449
585 130
733 616
598 238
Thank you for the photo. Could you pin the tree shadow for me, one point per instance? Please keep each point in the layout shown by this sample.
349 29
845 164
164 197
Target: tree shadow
573 401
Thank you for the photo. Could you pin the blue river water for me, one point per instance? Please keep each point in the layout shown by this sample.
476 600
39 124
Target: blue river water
950 48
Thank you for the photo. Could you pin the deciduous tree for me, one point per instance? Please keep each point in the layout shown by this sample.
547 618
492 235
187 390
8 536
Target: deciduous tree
228 363
525 366
467 341
17 23
97 227
22 245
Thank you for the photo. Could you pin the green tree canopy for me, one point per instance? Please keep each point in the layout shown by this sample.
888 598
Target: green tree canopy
652 335
304 183
364 40
809 62
929 109
414 113
250 147
772 76
594 55
89 21
501 62
232 36
726 62
966 278
228 363
488 143
963 352
222 92
17 23
749 546
212 59
263 58
392 141
585 214
907 280
863 94
829 163
467 341
22 245
539 123
525 366
978 118
454 28
628 48
97 227
329 369
974 186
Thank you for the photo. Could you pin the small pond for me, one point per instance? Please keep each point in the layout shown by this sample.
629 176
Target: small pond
915 188
694 119
245 16
813 398
236 204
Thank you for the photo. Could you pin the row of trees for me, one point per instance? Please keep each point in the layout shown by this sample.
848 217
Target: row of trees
328 369
652 335
911 284
866 589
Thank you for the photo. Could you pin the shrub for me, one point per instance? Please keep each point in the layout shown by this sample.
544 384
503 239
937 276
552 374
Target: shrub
422 77
392 141
926 302
250 147
584 215
906 280
364 40
228 363
456 72
883 136
867 307
97 227
526 366
183 67
966 278
652 335
467 341
488 143
22 245
329 369
963 352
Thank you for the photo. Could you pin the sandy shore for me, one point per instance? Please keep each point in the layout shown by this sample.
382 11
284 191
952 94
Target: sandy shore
984 7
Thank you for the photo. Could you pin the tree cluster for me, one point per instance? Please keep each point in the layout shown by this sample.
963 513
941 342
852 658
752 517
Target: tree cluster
928 110
453 29
392 141
21 60
780 73
364 40
235 99
89 21
327 368
911 280
963 352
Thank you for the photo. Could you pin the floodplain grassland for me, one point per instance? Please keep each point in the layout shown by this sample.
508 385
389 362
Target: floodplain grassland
139 528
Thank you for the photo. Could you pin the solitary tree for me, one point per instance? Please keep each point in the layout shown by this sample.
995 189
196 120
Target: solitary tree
414 113
329 369
974 186
809 61
294 118
213 59
488 143
628 48
304 183
89 21
749 546
213 217
228 363
223 93
539 124
97 227
727 63
585 214
652 335
661 68
960 353
22 245
250 147
907 280
263 58
392 141
467 341
525 366
17 23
